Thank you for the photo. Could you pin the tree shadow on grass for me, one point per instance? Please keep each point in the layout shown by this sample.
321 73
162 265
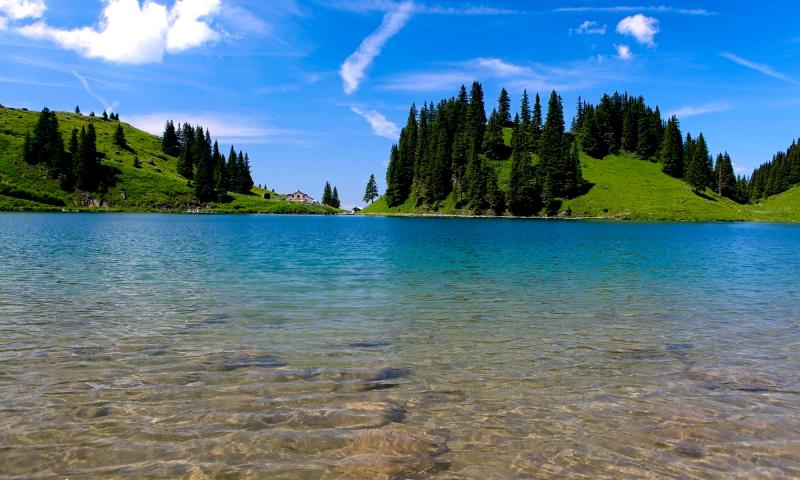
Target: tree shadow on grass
704 196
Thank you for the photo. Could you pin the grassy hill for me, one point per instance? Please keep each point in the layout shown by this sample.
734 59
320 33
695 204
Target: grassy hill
154 187
625 187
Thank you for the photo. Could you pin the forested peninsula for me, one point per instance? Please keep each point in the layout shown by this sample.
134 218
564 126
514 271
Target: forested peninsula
69 161
619 158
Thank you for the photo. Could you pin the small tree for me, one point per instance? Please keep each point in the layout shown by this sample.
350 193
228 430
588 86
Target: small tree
335 203
105 116
327 194
119 137
372 190
77 109
137 163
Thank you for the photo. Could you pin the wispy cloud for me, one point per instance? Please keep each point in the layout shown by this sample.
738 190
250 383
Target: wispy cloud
354 67
381 126
298 84
368 6
534 77
134 33
650 9
758 67
640 27
695 110
623 52
228 128
108 107
589 27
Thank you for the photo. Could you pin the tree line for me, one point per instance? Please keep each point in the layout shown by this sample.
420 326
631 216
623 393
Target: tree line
200 161
777 175
451 148
77 167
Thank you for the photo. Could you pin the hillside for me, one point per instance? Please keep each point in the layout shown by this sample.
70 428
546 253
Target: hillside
627 188
154 187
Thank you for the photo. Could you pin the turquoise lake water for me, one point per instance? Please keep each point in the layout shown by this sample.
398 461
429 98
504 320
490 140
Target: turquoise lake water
172 346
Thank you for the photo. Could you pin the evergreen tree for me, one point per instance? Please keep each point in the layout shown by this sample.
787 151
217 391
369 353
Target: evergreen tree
234 171
725 182
671 153
494 196
77 109
70 159
327 194
136 162
536 123
521 198
105 116
504 109
393 195
493 144
371 192
548 200
170 143
477 115
475 184
221 183
186 158
119 137
698 170
335 203
86 166
592 142
551 149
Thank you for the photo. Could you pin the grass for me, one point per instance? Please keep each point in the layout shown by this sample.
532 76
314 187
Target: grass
155 186
627 188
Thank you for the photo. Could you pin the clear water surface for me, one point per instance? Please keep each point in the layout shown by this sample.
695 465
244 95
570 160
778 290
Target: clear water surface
169 346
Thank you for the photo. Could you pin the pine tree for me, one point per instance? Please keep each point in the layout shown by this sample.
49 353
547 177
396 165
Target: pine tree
477 115
393 194
504 109
671 153
221 183
521 197
77 109
186 158
170 143
551 150
536 124
327 194
494 196
371 192
493 143
105 116
119 137
234 171
335 203
592 142
475 184
698 172
725 182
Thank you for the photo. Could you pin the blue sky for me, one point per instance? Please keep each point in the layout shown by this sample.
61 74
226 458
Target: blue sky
316 90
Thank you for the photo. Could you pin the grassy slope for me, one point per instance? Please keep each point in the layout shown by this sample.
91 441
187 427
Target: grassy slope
628 188
154 187
784 206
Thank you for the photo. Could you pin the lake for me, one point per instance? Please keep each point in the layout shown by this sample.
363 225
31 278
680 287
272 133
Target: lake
181 346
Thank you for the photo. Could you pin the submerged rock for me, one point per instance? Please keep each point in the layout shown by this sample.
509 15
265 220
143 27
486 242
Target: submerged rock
738 379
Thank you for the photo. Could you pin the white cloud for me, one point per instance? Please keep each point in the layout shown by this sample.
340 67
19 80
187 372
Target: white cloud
381 126
3 23
366 6
589 27
692 111
640 27
108 107
534 77
134 33
353 69
624 9
225 127
623 52
758 67
21 9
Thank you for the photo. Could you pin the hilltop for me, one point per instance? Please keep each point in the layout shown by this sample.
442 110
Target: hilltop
141 178
624 187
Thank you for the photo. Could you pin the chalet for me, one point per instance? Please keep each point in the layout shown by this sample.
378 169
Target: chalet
299 197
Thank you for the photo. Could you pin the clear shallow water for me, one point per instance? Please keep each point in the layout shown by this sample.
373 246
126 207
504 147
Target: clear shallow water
162 346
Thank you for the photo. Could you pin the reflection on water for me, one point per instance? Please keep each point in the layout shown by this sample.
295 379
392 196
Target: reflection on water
290 347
